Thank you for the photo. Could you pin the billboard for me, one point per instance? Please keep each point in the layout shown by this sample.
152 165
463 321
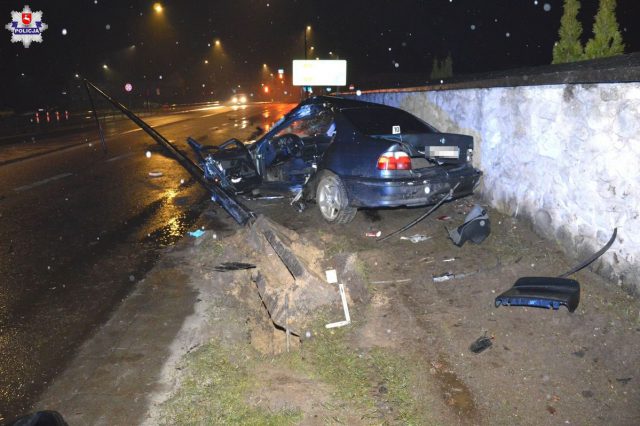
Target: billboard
320 72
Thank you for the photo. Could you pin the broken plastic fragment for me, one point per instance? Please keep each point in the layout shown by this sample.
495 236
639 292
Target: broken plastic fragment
480 344
443 277
476 227
197 233
233 266
416 238
542 292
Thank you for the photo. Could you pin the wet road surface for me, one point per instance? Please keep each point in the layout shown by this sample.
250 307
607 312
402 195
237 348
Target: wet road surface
79 228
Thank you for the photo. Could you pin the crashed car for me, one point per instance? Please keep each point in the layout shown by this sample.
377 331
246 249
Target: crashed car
346 154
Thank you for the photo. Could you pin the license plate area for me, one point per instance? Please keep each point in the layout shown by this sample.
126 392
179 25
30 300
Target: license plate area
451 152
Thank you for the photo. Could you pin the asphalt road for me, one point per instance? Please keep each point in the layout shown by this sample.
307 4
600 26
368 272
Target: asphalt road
79 228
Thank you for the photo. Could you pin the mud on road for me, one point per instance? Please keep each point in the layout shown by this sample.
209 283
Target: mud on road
405 359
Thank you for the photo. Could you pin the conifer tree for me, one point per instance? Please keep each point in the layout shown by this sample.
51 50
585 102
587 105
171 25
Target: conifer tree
607 40
435 69
569 48
447 66
442 68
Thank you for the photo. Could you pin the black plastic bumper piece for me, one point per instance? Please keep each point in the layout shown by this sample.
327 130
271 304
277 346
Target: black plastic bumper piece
542 292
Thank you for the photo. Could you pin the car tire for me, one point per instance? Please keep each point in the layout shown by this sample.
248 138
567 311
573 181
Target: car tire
332 200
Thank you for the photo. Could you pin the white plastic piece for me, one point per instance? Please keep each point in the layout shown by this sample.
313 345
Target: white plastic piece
332 276
345 307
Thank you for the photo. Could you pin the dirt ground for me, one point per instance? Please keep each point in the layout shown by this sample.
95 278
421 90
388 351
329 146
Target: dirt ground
405 359
544 367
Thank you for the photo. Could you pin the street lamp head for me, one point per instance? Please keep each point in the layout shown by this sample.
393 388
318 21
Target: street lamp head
308 27
217 42
157 7
104 66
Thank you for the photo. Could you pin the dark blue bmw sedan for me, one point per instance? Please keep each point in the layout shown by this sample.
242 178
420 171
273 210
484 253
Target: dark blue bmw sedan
346 154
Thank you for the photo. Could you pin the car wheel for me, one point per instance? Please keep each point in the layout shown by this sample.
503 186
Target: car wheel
331 197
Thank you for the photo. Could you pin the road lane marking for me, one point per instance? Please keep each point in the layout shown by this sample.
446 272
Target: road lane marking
118 157
42 182
129 131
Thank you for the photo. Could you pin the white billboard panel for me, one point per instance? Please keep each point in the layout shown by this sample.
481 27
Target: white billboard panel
320 72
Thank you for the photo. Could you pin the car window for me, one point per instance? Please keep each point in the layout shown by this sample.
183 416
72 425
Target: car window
383 121
311 126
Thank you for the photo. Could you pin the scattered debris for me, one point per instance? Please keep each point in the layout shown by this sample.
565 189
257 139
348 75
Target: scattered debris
197 233
233 266
416 238
449 276
449 259
476 227
443 218
596 255
155 174
391 281
332 278
447 197
550 292
542 292
374 234
264 197
579 354
443 277
480 344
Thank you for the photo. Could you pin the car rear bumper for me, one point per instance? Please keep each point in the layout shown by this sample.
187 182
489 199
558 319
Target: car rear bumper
365 192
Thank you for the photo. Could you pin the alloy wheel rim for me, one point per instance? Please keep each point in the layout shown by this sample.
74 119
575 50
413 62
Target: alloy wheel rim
328 201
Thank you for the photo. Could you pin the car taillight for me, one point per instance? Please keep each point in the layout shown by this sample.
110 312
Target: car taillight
394 161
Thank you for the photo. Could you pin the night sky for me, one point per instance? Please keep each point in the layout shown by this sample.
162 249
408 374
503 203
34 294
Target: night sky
396 40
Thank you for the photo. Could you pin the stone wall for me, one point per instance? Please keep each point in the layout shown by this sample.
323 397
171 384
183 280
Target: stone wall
565 156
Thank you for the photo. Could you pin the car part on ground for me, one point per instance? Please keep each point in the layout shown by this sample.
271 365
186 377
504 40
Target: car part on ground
542 292
424 216
550 292
476 227
593 257
480 344
233 266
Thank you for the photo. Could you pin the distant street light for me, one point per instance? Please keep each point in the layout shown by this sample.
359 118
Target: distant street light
217 42
157 7
305 40
104 66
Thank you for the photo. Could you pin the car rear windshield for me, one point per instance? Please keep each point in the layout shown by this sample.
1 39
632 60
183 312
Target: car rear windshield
385 121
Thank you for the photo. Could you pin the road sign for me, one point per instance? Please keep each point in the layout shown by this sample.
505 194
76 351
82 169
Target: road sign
128 87
320 72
